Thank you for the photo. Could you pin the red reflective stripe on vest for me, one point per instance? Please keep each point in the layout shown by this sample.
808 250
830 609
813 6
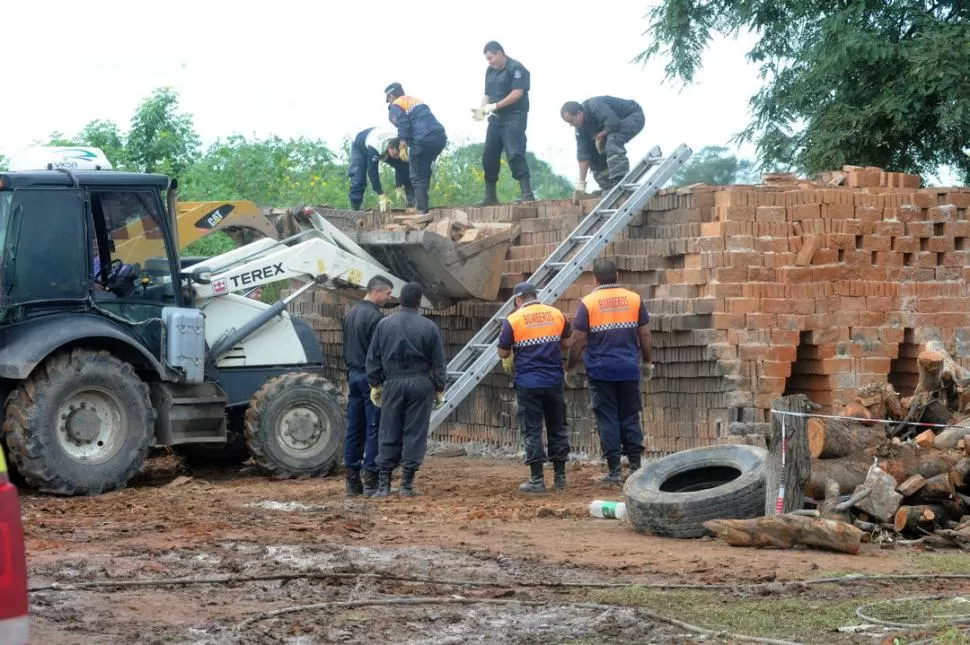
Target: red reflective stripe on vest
614 308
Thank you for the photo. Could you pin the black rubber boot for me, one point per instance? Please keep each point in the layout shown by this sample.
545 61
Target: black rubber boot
354 486
537 482
383 484
355 207
370 482
634 463
491 195
613 475
421 199
407 484
525 189
559 468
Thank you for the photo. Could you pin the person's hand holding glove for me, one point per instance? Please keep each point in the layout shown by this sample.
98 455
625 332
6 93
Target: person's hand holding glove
601 146
439 400
383 202
479 114
403 152
401 194
375 395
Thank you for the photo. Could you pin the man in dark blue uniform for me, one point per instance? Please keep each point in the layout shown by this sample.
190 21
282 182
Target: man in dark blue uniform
406 370
370 147
604 125
532 340
611 325
506 105
421 138
363 417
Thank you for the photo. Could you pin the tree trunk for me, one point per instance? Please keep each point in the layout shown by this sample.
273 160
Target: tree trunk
911 485
785 483
787 531
848 472
958 476
831 439
901 461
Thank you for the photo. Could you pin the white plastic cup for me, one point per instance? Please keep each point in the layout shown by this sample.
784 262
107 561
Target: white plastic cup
607 510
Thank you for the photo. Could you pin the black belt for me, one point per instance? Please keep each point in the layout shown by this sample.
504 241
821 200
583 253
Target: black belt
407 374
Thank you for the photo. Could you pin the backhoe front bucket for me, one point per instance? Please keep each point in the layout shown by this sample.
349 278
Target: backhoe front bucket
447 270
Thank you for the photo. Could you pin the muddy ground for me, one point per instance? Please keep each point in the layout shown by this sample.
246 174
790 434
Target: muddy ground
307 544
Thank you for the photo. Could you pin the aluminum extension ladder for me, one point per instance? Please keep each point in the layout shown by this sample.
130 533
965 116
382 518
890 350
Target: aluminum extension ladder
561 269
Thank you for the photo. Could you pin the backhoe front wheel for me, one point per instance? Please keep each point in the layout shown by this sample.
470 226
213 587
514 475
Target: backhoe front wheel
295 426
81 424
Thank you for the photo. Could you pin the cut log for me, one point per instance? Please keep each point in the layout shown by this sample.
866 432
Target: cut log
797 466
848 472
950 437
832 439
958 476
925 439
901 461
936 487
930 366
951 372
911 485
412 220
911 518
882 500
787 531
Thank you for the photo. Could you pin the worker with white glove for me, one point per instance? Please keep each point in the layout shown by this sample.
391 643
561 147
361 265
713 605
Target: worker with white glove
506 107
406 360
538 333
604 125
612 326
369 148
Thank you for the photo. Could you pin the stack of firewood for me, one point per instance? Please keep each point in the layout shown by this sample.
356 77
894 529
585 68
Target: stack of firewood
450 224
904 466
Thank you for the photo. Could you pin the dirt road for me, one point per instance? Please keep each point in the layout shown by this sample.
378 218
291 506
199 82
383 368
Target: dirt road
471 525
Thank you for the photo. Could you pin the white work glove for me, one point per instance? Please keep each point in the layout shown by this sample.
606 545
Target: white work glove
647 372
439 400
601 145
383 203
581 186
401 194
480 113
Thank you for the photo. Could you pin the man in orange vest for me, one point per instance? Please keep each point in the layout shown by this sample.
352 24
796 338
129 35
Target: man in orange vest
531 344
611 325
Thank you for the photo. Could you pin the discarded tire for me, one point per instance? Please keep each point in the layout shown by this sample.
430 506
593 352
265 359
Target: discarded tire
675 495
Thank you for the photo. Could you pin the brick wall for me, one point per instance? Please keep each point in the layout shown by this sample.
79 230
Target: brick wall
753 291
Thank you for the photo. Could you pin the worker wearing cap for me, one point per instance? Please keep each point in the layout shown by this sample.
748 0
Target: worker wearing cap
531 344
370 147
421 138
363 417
506 106
604 125
611 326
406 370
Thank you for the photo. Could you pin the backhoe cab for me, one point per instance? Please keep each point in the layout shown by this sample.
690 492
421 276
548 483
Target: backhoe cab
106 346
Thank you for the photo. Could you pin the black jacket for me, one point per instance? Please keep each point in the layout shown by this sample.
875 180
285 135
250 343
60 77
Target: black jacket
407 344
601 113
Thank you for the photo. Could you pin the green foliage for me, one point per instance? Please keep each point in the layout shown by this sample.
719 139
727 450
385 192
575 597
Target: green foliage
161 139
715 165
866 82
212 244
3 163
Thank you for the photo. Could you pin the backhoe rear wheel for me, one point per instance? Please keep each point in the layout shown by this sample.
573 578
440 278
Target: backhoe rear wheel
295 426
81 424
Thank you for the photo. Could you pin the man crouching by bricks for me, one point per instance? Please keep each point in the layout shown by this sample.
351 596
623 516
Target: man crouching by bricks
611 326
406 370
530 345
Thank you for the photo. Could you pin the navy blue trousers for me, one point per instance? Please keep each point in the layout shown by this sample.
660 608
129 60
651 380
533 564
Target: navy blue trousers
616 406
363 424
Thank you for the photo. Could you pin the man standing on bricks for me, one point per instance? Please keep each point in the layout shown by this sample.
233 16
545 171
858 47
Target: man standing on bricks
363 417
604 125
506 106
407 374
370 147
611 326
421 138
531 344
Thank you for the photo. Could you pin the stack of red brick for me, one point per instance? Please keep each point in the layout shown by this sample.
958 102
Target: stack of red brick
754 292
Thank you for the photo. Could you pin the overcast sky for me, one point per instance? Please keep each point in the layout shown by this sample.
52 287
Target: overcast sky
318 69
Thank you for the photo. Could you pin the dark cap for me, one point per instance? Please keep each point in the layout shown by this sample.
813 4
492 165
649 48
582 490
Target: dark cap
523 289
393 87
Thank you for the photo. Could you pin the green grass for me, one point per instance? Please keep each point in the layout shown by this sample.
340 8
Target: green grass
804 619
952 563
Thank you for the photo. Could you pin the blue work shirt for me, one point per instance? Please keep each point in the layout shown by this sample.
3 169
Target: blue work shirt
534 333
612 316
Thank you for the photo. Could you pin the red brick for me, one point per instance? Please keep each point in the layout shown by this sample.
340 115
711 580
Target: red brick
731 274
774 369
712 229
771 384
880 303
792 322
761 274
891 229
868 213
742 305
743 259
887 258
760 321
727 321
838 211
783 337
849 303
806 211
793 275
753 352
771 214
782 353
906 244
826 256
771 245
735 213
919 229
836 365
925 259
940 244
877 242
